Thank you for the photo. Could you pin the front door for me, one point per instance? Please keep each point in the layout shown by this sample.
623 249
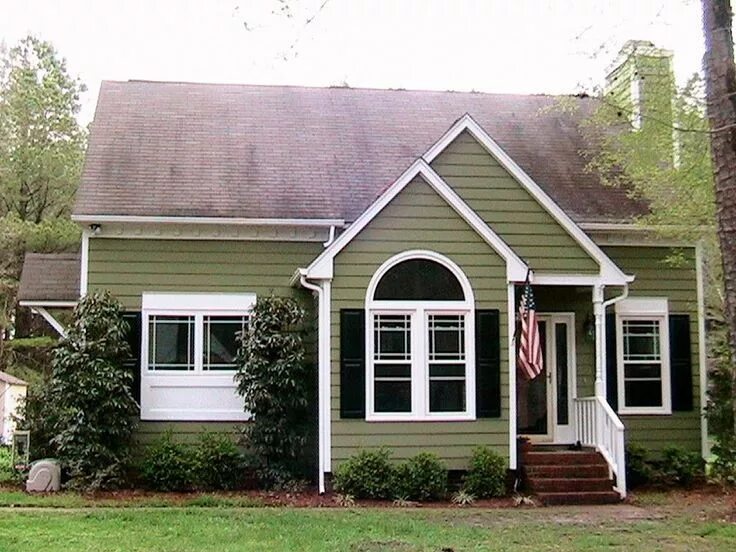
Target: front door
544 404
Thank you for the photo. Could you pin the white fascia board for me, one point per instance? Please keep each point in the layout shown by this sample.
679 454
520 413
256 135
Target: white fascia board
610 273
234 221
322 266
48 304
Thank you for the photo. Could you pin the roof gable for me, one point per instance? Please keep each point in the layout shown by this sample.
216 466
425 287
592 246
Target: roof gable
322 266
610 273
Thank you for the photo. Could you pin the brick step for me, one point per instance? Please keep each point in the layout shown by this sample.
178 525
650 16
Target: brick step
598 497
558 458
565 484
577 471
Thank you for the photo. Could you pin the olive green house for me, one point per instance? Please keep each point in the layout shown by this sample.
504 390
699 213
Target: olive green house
407 223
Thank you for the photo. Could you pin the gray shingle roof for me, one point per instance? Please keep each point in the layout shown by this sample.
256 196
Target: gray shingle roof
180 149
50 277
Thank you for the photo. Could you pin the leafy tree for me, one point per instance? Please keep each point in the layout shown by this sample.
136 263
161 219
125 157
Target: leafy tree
90 395
275 382
41 142
41 153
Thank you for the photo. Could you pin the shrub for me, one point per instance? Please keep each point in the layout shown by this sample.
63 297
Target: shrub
219 465
168 465
681 466
723 468
639 471
487 474
422 477
7 472
368 474
276 383
90 397
36 415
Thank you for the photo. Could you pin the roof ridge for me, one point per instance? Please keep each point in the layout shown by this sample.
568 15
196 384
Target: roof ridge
352 88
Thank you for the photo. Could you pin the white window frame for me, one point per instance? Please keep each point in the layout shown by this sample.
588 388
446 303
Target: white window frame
644 309
419 312
207 388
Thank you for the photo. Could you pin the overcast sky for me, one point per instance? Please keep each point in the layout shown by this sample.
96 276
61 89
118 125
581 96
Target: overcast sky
524 46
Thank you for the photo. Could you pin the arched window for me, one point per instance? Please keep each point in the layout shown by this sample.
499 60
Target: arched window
420 339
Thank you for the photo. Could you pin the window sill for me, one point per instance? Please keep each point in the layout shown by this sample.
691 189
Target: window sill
644 412
425 418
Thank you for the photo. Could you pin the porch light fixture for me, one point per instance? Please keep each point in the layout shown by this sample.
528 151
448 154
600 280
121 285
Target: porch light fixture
589 328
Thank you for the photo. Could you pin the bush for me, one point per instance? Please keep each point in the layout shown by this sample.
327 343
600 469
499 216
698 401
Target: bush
213 463
487 474
7 472
88 401
422 477
219 465
639 470
681 466
276 384
36 415
368 474
168 465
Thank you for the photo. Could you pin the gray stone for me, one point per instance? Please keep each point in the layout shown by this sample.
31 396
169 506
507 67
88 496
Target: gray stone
44 477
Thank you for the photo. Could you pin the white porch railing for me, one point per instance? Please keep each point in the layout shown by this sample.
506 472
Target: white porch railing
597 425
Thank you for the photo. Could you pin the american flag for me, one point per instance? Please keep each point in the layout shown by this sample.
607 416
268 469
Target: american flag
529 358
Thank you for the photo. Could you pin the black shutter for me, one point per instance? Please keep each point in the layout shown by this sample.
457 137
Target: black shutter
352 363
611 362
487 364
681 368
133 362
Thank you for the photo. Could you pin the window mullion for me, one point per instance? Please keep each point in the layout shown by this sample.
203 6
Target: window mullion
198 342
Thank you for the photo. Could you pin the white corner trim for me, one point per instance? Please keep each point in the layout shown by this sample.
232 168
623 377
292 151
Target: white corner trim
53 322
610 273
702 355
322 268
84 264
511 315
233 221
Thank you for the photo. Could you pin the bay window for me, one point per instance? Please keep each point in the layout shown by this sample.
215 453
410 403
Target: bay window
190 344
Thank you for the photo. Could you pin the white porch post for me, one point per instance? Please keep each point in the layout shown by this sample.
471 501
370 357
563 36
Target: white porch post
600 328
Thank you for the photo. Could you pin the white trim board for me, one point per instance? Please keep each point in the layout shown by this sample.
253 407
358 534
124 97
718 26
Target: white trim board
100 219
610 273
322 266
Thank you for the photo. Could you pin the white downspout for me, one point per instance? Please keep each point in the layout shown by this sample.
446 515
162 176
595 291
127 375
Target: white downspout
599 312
321 368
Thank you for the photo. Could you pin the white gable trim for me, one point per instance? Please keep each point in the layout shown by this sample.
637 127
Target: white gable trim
610 274
322 266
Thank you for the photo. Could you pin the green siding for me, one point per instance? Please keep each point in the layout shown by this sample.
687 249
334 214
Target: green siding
128 267
655 277
509 209
418 219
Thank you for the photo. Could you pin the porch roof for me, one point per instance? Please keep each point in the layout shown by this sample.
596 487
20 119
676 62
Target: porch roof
49 278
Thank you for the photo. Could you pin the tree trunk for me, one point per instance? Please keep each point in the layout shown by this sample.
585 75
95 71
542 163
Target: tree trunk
720 88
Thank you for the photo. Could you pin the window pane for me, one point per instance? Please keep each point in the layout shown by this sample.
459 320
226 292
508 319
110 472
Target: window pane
392 396
446 337
446 370
641 340
447 396
563 409
643 393
221 341
171 343
419 280
392 336
634 371
392 371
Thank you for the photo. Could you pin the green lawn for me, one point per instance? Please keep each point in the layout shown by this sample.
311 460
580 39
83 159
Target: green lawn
362 529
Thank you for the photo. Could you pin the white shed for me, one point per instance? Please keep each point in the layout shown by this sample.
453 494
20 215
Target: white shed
12 391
